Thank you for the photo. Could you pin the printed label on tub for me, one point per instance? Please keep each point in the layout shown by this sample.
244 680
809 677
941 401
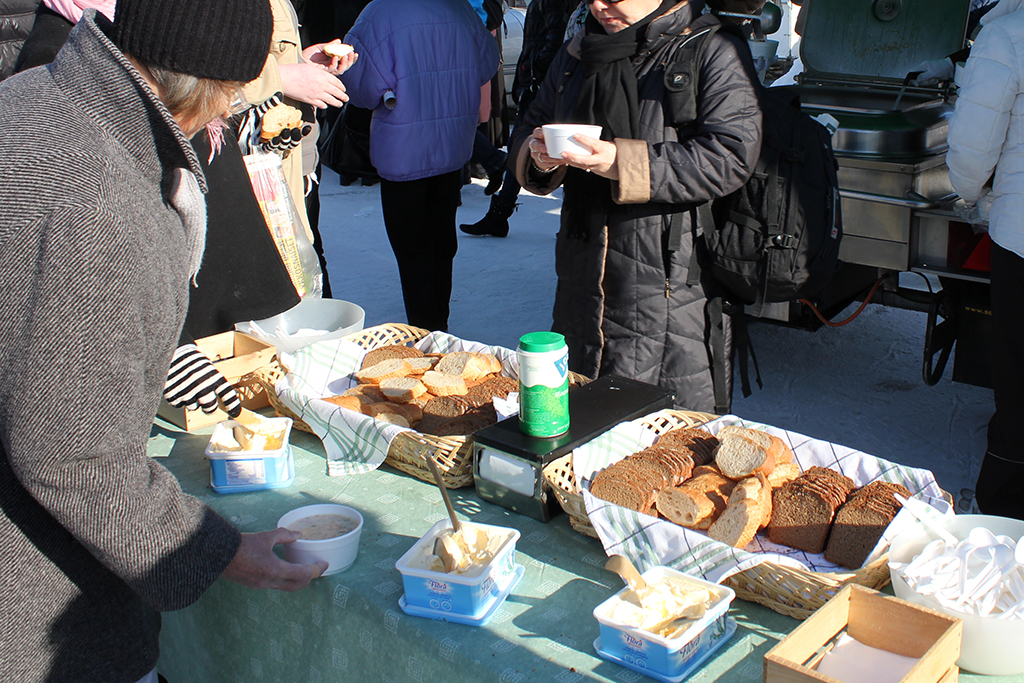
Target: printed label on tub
238 472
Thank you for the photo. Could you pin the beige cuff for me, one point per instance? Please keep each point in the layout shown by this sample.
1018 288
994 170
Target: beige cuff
634 164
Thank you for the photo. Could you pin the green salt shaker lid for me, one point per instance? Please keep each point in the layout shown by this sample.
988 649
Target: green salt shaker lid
539 342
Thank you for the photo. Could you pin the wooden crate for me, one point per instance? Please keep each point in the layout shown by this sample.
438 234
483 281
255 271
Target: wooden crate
237 356
878 621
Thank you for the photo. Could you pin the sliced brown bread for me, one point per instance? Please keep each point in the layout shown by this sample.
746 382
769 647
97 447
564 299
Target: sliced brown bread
393 367
388 352
700 443
402 389
679 462
613 486
446 406
803 509
861 521
492 386
444 384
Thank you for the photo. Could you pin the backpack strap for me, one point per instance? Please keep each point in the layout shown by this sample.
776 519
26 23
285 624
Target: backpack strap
682 71
719 354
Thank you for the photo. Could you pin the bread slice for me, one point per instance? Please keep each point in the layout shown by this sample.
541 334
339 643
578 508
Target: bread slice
697 502
351 402
402 389
392 418
444 384
337 49
739 457
783 472
861 521
367 393
803 509
738 524
776 447
395 367
277 119
388 352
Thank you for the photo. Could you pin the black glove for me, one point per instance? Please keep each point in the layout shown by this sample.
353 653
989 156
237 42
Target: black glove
194 383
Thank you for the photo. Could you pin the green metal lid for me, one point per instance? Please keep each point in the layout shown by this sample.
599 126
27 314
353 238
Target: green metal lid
879 40
539 342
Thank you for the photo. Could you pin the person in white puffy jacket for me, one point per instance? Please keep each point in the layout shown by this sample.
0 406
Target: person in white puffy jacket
986 142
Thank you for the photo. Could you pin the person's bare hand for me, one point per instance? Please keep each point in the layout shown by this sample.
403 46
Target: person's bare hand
312 84
334 65
539 152
603 160
255 564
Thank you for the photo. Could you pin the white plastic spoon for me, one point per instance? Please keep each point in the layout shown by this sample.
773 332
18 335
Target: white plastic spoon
924 514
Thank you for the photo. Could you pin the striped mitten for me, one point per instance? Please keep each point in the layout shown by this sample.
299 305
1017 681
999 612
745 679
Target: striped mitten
193 382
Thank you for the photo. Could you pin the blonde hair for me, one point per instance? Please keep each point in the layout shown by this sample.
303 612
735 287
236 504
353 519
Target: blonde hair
190 99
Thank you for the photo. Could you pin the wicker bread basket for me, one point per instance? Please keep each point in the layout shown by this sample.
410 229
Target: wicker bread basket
453 454
794 592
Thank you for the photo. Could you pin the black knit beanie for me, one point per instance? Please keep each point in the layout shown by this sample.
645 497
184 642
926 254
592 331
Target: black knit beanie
226 40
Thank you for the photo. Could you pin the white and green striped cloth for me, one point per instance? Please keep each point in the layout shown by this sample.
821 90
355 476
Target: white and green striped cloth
649 541
355 443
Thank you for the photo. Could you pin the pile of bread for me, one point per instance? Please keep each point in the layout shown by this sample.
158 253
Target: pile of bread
447 394
744 481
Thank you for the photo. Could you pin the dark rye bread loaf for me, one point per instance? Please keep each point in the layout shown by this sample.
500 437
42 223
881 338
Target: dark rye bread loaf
803 509
861 521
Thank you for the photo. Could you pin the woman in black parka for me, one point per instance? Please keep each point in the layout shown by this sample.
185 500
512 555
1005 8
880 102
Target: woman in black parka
622 300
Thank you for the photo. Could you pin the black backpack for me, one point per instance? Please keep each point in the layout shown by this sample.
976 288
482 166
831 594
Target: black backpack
777 237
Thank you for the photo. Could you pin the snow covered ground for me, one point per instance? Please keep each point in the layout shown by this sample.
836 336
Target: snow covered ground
859 385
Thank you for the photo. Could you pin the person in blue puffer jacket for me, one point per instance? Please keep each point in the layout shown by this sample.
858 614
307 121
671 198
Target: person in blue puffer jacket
420 69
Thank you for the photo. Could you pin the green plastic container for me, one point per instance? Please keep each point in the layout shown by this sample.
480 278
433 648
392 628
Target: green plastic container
543 384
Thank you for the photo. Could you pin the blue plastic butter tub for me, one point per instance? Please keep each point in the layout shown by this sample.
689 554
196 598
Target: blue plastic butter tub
237 471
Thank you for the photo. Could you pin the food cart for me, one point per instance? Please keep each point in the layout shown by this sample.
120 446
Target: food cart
896 196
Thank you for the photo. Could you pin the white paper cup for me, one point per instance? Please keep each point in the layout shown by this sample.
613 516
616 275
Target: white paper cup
558 138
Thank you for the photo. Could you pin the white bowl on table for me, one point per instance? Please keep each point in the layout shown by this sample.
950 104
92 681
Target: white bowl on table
990 645
339 552
333 317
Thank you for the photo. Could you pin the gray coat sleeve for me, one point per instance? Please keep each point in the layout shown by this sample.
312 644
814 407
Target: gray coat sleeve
84 366
719 157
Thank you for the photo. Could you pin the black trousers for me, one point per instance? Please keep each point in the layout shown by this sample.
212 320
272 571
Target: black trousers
419 216
1000 486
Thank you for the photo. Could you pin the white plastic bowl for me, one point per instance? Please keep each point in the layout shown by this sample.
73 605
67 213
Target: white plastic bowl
338 318
990 646
558 138
339 553
764 48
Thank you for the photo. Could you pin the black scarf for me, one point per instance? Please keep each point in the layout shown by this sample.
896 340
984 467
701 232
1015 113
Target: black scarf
608 98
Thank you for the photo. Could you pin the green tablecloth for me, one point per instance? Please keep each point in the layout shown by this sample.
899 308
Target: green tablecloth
349 626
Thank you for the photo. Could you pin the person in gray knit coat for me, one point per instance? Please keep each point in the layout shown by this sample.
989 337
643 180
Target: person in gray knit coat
102 224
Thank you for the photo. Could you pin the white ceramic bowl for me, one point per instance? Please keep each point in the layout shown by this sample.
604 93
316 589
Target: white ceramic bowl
337 318
558 138
990 646
339 553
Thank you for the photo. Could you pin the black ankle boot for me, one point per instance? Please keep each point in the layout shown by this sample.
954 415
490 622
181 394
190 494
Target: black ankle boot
495 223
495 177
